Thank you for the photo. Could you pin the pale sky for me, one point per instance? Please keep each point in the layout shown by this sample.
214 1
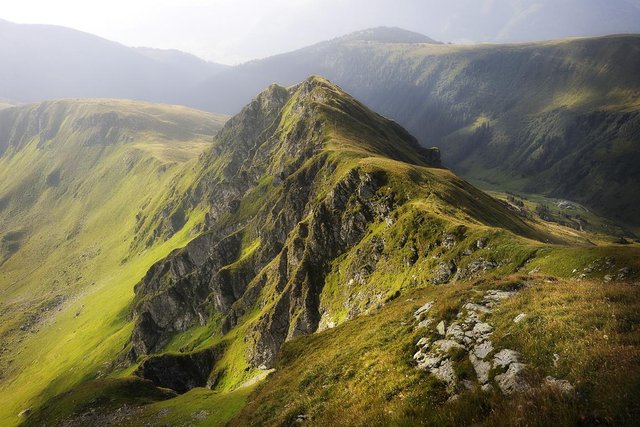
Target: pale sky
233 31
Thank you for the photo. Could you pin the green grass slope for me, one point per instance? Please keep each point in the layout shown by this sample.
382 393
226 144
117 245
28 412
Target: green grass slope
304 239
362 373
75 179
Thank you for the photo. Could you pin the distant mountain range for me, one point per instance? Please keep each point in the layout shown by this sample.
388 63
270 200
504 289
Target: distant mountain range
558 118
41 62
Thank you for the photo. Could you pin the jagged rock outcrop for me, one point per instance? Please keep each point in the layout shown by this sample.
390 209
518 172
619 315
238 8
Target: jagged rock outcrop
280 138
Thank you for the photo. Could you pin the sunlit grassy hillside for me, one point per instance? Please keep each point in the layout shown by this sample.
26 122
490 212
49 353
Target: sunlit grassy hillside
76 178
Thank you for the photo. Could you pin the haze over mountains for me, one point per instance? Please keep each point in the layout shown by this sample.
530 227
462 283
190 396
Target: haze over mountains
533 117
48 62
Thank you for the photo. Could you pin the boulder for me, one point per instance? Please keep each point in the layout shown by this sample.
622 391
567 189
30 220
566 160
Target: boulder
512 381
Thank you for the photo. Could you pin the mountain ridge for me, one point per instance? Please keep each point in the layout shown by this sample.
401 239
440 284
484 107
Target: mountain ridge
494 110
182 280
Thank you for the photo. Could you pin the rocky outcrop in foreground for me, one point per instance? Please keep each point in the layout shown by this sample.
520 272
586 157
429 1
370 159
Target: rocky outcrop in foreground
469 336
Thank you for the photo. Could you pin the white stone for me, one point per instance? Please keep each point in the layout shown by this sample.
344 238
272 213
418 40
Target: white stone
422 342
511 381
424 309
482 350
446 345
441 328
481 331
455 332
446 373
429 362
424 324
470 306
505 357
519 318
481 367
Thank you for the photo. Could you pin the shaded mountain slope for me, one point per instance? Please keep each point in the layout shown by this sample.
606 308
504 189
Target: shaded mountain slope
558 118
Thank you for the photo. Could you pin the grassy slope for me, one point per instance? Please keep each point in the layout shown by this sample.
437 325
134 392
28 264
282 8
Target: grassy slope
357 374
531 117
72 189
362 372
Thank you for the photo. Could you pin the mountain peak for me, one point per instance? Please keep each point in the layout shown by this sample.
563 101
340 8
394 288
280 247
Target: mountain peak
389 35
318 115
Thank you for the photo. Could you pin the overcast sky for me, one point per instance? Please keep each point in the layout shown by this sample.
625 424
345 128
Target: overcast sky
233 31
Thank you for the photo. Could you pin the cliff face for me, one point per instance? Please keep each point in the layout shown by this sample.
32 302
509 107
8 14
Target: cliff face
303 181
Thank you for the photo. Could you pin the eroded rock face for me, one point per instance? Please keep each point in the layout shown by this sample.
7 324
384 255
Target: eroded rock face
171 295
179 372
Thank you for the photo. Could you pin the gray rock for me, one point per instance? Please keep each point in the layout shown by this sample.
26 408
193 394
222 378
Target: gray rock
623 273
481 331
441 328
481 367
446 345
302 418
497 296
180 371
446 373
429 362
443 272
519 318
505 357
470 306
449 241
422 342
482 350
424 324
419 356
481 242
478 265
455 332
512 381
424 309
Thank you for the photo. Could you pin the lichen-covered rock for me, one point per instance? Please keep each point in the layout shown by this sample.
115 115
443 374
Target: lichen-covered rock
505 357
482 368
443 272
512 380
423 310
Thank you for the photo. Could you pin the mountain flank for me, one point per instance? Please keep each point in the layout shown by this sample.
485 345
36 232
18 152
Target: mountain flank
312 236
